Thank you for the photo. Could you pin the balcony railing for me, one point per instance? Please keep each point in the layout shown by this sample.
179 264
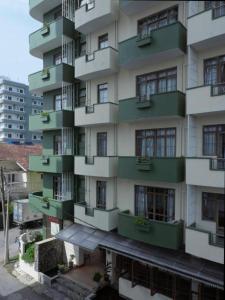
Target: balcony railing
217 164
218 89
218 12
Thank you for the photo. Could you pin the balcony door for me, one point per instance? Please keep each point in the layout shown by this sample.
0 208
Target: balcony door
57 145
57 188
214 70
102 144
101 194
220 218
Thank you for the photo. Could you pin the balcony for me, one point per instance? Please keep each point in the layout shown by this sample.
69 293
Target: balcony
103 219
97 114
161 234
170 104
206 99
95 15
200 243
164 44
39 7
51 163
52 120
131 7
96 166
51 207
101 63
51 78
50 36
154 169
205 30
205 172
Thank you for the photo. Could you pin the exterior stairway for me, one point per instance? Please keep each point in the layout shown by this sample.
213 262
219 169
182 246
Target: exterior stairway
70 289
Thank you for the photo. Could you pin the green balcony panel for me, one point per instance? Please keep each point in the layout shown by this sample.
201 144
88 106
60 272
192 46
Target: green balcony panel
156 233
170 104
157 169
51 207
50 36
52 120
40 7
170 40
51 78
51 164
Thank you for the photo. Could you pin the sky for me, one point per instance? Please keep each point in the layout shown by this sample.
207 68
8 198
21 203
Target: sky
15 26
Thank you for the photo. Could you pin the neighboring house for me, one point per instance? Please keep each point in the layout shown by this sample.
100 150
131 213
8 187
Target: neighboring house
133 142
16 105
14 160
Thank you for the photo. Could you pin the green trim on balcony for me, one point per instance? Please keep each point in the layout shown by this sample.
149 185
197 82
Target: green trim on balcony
159 169
171 104
162 234
168 38
56 75
51 163
50 36
51 207
55 120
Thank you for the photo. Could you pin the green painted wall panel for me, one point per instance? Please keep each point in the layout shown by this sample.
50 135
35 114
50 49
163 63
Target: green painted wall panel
170 37
56 120
56 164
163 169
155 233
162 105
58 209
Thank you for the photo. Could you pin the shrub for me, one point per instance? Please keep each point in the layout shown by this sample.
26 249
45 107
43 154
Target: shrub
28 256
141 221
97 277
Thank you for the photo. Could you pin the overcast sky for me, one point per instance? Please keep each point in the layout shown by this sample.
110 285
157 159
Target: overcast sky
15 26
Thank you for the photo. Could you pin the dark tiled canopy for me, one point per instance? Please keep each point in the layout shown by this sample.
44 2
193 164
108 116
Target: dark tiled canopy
178 262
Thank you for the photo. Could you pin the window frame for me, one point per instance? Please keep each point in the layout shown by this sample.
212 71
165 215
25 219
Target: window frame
99 139
99 90
101 186
155 138
103 39
217 133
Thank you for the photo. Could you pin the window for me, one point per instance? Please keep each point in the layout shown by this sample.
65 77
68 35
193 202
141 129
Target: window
57 188
103 41
82 48
155 83
214 140
57 145
9 126
21 91
102 144
213 207
217 6
58 102
58 58
58 13
21 136
21 118
9 98
103 93
9 107
163 282
161 19
155 203
10 89
156 142
21 100
9 117
34 137
214 70
21 109
9 135
101 194
21 127
82 96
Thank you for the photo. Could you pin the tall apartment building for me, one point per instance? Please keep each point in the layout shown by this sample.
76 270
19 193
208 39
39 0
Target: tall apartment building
16 104
134 139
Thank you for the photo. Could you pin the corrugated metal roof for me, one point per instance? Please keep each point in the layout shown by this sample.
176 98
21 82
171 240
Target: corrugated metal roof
174 261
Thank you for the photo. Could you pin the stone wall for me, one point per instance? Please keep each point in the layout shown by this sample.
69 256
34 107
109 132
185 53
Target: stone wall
48 254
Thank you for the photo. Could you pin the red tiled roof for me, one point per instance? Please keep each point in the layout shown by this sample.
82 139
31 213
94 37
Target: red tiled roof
19 153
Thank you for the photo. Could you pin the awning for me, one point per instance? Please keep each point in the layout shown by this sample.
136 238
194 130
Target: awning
178 262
